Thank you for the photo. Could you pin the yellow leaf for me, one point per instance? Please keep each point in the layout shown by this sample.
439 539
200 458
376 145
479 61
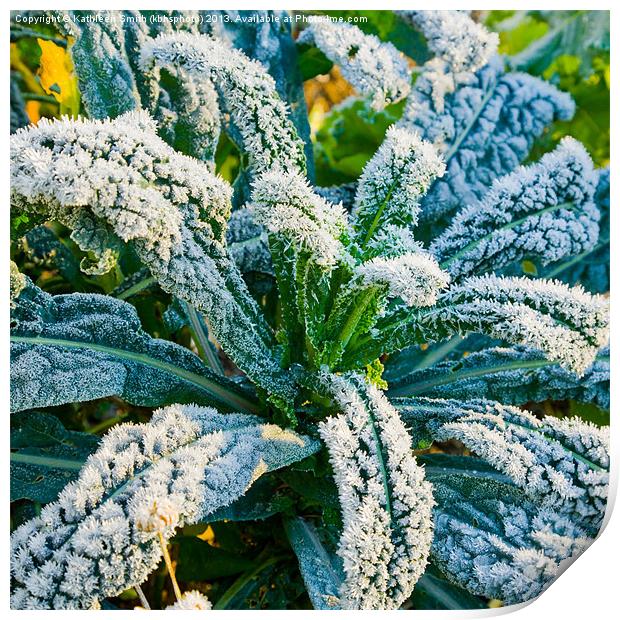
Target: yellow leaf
208 536
57 77
33 110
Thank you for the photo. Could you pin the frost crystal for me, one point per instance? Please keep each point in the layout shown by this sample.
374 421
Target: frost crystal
456 38
386 503
568 324
484 129
512 553
376 69
192 600
393 182
247 91
560 464
286 205
544 211
415 278
111 180
145 480
513 376
247 242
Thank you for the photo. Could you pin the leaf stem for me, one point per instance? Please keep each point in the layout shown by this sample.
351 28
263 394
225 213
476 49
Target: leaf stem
169 566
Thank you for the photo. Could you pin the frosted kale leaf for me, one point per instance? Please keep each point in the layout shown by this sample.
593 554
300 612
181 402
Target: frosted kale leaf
248 93
386 503
545 211
79 347
415 278
392 184
45 456
591 267
567 324
122 178
484 129
247 242
111 81
287 207
561 464
268 40
490 539
513 376
107 84
453 36
145 480
321 571
376 69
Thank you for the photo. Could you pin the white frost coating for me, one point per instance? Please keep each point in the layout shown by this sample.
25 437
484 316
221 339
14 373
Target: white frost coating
561 464
566 323
545 211
248 92
393 182
416 278
455 37
192 600
376 69
513 560
66 168
286 205
386 502
102 534
117 179
391 241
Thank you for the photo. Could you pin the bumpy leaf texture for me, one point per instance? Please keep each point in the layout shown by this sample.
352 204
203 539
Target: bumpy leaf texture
591 267
567 324
456 38
513 376
79 347
248 94
490 539
561 464
484 124
102 535
544 212
386 502
376 69
269 41
169 206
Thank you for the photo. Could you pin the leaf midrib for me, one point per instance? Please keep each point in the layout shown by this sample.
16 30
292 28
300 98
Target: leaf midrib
222 394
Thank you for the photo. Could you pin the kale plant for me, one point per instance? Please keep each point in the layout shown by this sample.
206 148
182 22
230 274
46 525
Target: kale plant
360 357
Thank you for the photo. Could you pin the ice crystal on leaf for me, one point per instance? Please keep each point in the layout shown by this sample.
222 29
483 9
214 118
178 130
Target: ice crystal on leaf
117 180
192 600
386 503
453 36
286 205
567 324
501 546
545 211
145 480
393 182
560 464
248 93
484 126
414 277
307 293
376 69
